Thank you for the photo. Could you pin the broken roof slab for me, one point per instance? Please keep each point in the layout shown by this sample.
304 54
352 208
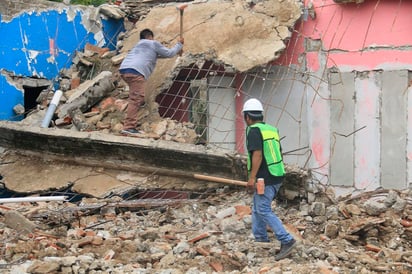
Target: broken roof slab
117 150
96 163
234 33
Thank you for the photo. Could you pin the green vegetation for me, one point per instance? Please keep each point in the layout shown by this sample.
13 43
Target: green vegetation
95 3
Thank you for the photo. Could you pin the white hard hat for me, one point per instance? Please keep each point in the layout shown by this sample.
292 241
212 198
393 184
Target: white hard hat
252 105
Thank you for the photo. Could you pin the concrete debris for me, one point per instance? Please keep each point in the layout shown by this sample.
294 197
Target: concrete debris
88 94
13 219
112 11
207 234
99 104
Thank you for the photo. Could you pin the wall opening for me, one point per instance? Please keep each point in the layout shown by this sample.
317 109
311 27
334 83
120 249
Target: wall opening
30 97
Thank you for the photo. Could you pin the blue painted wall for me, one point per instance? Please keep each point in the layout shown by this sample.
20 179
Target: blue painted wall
40 45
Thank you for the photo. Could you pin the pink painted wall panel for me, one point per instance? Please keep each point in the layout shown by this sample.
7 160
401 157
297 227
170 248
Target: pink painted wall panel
353 27
370 60
350 28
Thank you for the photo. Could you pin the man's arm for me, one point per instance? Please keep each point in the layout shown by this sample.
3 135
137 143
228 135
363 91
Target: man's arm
164 52
256 161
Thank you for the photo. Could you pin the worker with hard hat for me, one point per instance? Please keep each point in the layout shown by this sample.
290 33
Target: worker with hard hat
265 164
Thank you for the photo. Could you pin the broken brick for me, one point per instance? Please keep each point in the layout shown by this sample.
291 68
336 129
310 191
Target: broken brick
74 83
406 223
85 241
242 210
121 104
200 237
107 103
95 49
374 248
202 251
217 266
97 240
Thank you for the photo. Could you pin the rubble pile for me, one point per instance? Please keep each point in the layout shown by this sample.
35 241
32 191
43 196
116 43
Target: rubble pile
136 9
370 233
99 104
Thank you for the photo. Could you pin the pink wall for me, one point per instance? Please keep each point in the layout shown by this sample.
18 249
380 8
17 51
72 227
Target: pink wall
346 29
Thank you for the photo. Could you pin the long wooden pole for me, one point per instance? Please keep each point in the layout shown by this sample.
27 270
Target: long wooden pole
219 180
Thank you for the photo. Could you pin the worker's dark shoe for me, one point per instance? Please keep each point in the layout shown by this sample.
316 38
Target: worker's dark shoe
261 240
130 131
285 250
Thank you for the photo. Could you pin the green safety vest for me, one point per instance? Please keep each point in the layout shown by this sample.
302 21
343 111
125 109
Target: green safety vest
271 149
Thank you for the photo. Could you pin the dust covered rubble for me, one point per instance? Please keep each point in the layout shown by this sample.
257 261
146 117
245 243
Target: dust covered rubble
369 233
99 104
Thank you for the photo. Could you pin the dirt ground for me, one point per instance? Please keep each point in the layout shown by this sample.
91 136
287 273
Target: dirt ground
204 228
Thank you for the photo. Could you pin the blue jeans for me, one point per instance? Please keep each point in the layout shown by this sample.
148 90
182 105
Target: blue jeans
262 216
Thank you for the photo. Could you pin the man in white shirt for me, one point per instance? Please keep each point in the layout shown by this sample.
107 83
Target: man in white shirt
137 67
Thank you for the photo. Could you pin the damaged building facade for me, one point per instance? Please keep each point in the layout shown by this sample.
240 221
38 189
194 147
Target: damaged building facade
354 62
337 86
334 78
39 39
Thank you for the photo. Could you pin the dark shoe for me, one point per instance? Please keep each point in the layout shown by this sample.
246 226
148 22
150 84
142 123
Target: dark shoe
259 240
285 250
130 131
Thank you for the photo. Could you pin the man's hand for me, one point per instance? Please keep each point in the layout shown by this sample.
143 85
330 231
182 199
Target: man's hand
181 40
251 185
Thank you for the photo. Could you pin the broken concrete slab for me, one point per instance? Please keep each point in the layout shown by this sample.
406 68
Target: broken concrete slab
34 173
157 154
88 93
23 175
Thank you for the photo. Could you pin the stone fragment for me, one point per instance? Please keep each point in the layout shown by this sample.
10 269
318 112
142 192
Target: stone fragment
318 209
399 205
19 109
17 221
331 230
374 208
391 198
181 247
353 209
40 267
108 255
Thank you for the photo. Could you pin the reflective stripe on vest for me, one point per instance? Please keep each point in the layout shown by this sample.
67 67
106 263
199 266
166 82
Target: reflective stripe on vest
271 149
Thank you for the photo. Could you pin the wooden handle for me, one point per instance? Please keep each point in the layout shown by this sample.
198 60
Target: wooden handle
181 23
219 180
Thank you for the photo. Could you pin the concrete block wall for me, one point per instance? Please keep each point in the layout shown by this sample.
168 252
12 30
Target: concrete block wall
357 61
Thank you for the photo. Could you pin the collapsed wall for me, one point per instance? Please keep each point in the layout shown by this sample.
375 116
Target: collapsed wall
240 35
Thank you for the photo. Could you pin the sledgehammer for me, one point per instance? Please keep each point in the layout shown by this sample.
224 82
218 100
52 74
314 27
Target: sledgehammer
181 9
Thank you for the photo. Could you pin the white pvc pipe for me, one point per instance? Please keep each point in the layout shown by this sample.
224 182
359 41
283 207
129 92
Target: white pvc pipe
32 199
52 108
